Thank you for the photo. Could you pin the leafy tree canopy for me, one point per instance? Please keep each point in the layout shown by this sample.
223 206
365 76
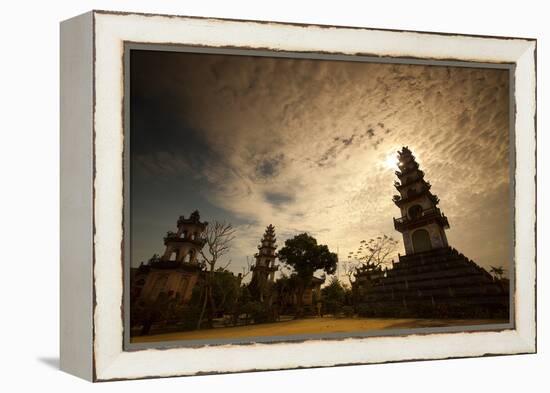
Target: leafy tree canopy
305 256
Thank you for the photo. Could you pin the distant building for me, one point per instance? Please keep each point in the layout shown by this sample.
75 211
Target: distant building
432 279
312 293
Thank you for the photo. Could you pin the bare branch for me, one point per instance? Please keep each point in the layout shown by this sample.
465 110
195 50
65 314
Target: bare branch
218 238
226 265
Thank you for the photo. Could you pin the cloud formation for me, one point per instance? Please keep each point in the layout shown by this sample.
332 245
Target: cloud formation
305 145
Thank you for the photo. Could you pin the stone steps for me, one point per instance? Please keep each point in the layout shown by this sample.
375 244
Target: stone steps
430 280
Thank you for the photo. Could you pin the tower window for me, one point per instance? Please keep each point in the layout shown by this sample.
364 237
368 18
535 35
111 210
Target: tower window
415 211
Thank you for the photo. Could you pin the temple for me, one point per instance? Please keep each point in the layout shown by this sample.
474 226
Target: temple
263 271
262 284
432 279
174 274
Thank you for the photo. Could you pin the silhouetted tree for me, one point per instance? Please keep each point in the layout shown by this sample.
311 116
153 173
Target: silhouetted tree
305 257
218 237
285 287
225 289
497 271
370 255
334 296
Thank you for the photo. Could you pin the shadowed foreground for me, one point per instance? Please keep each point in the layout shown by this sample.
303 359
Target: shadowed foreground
312 326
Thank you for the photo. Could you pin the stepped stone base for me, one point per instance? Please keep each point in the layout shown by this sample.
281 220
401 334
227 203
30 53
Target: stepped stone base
438 283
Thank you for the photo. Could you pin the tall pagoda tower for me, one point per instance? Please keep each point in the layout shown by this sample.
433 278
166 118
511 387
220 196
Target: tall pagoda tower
263 271
422 223
433 280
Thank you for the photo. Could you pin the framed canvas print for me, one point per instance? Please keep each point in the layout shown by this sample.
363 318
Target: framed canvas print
244 195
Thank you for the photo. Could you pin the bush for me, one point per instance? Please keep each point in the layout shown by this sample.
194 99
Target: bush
257 312
364 310
190 317
332 307
348 311
334 296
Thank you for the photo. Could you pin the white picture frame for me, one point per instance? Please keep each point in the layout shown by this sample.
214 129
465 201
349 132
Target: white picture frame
92 194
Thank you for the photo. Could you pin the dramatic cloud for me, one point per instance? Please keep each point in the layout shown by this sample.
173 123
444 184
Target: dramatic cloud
307 146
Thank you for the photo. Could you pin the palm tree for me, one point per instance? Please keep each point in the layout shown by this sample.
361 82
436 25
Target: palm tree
497 271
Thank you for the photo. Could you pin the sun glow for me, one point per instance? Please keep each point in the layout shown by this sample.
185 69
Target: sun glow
390 161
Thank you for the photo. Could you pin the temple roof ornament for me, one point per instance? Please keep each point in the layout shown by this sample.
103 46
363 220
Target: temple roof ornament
194 219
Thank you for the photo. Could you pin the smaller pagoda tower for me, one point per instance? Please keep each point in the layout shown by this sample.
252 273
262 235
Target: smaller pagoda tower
263 271
421 223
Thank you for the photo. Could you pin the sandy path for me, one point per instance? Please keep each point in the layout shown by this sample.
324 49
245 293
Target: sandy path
309 326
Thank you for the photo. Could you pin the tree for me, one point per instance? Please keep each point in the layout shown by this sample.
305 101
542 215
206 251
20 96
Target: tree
305 257
217 243
371 255
334 296
285 287
225 290
497 271
243 294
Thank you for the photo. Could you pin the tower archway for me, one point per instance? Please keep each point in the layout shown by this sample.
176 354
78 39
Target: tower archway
421 240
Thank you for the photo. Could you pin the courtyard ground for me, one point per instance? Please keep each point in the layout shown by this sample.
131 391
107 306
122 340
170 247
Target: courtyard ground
323 325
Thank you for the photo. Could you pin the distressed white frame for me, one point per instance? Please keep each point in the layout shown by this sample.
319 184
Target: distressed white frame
110 31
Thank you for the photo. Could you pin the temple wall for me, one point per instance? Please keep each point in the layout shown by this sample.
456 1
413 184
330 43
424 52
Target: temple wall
435 235
443 237
166 281
187 290
407 242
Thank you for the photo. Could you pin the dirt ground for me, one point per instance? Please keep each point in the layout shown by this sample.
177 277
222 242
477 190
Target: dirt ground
311 326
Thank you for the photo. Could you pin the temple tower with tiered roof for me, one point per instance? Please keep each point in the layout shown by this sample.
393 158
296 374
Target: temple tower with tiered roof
433 280
263 271
422 223
184 245
175 273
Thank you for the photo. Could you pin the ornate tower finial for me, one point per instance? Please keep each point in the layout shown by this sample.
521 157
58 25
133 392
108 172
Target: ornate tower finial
422 223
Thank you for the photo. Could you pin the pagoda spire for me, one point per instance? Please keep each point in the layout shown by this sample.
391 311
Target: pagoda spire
422 223
267 245
263 271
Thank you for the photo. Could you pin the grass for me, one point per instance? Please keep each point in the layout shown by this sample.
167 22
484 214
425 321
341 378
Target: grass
311 326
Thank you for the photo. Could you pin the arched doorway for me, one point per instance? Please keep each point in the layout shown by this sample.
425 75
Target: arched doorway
421 240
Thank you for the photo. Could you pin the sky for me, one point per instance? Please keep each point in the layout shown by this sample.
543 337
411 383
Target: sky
310 146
